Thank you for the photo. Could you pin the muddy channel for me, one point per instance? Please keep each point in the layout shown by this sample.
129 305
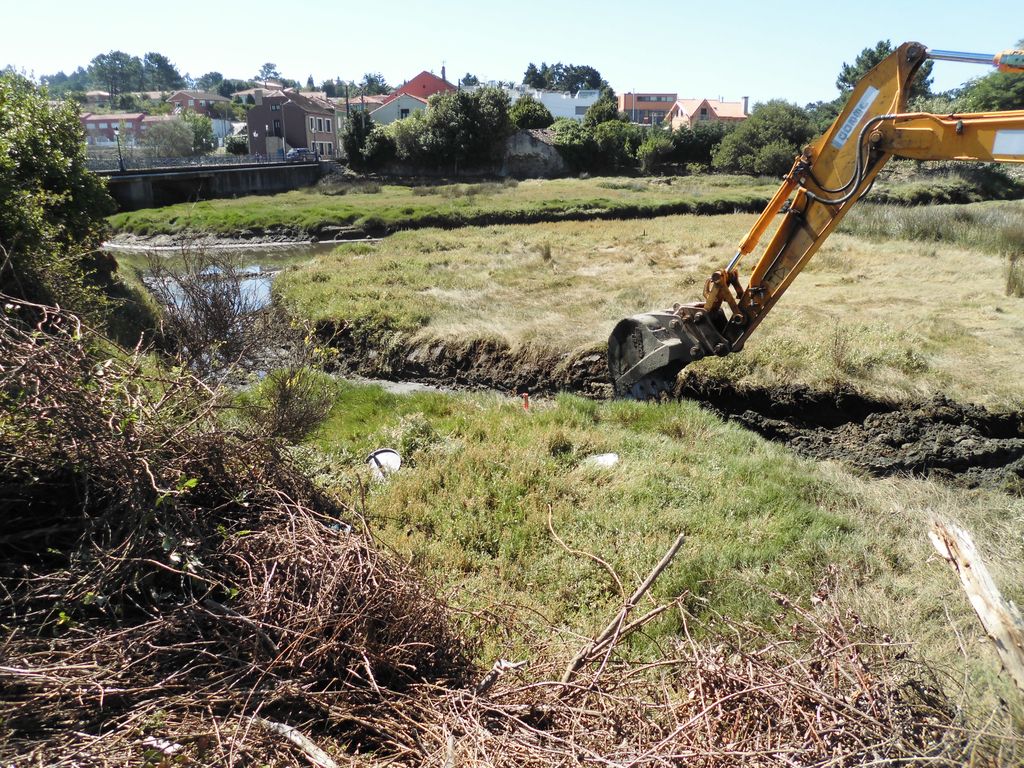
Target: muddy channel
959 443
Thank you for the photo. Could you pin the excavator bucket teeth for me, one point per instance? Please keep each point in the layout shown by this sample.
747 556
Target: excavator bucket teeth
654 387
647 352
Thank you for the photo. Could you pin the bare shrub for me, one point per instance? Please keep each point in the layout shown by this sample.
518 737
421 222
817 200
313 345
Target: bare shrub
214 315
1011 242
1015 275
291 402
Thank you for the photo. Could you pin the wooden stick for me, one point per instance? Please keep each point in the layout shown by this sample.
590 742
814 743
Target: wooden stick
615 627
1001 619
316 756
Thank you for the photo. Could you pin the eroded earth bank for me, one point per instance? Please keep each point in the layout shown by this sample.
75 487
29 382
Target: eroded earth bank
961 443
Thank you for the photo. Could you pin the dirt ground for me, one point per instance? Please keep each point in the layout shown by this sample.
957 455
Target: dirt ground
957 442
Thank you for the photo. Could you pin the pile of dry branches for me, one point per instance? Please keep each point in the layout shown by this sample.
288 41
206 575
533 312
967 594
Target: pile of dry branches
162 572
174 592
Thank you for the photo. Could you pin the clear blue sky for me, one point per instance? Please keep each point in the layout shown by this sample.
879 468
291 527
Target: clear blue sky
727 48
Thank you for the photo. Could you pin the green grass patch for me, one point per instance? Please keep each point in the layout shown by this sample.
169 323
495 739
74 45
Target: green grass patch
471 505
403 207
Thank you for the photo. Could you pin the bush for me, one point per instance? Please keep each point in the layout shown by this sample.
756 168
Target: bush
575 142
653 149
774 128
379 147
616 144
236 145
773 159
697 144
212 319
529 113
51 220
291 402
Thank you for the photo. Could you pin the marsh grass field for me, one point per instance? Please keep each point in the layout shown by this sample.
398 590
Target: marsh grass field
375 206
533 547
902 302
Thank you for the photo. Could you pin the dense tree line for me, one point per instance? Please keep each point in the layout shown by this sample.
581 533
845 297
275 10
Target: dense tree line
563 77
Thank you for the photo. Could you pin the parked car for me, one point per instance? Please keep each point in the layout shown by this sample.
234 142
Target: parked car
300 154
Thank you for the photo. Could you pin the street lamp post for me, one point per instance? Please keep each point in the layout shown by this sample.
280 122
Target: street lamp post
120 157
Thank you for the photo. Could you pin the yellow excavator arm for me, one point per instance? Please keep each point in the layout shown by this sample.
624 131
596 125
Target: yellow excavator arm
646 352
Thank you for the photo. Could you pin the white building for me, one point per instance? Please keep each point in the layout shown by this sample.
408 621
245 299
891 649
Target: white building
398 108
559 103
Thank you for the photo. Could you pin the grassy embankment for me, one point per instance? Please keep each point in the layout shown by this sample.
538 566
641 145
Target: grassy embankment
903 302
375 207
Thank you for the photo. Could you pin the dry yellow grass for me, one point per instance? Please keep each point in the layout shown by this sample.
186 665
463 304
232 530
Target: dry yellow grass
894 318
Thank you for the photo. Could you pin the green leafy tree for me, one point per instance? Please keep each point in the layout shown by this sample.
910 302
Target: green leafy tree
159 74
353 140
528 113
575 142
469 79
994 92
210 82
169 138
532 77
310 85
654 148
823 113
754 146
601 111
329 88
464 129
868 58
373 84
563 77
116 72
61 84
616 143
202 132
51 222
267 72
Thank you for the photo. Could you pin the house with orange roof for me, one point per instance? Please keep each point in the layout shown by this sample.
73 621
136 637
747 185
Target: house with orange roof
423 86
686 112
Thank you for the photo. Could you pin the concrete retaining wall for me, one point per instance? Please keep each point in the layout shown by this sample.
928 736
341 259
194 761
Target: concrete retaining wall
147 189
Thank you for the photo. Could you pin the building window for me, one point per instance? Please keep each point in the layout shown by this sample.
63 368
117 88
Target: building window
312 124
403 113
277 128
275 107
191 102
327 125
103 125
320 124
330 149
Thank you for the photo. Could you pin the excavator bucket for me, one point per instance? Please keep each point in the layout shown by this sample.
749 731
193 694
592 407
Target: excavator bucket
647 352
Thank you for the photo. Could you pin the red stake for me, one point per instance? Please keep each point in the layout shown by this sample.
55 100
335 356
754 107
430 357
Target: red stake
526 401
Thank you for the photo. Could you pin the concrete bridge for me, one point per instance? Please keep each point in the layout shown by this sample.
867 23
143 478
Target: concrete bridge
148 188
